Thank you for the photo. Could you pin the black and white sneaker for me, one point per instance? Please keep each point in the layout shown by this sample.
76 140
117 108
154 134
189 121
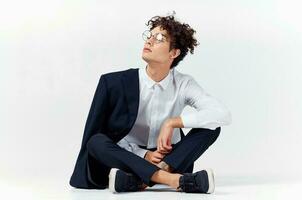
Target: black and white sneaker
121 181
198 182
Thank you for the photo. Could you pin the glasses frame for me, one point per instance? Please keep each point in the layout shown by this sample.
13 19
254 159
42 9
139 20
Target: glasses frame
147 34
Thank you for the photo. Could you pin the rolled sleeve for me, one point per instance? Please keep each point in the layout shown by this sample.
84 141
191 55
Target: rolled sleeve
140 152
208 112
132 147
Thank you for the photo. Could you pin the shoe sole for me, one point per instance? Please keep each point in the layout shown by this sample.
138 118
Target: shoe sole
211 180
112 175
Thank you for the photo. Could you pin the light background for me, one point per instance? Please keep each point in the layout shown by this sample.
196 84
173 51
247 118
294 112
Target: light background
52 54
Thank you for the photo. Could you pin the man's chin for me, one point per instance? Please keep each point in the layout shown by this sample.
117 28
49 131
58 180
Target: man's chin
145 59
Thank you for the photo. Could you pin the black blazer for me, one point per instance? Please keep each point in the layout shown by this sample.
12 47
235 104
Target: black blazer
113 112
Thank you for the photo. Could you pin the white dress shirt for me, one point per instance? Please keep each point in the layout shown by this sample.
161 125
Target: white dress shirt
165 99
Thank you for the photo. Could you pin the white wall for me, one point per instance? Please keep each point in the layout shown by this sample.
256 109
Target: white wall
52 54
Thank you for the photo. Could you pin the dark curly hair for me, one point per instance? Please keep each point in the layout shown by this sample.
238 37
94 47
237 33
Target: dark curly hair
181 35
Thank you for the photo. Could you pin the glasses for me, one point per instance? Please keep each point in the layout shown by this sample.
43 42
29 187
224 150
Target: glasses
159 37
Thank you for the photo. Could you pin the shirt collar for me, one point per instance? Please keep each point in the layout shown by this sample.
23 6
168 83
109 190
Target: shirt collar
150 83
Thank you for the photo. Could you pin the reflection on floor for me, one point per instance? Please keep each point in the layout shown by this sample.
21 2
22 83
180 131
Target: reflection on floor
226 188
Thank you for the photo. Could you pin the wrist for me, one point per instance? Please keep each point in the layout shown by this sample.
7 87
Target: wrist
174 122
146 154
169 122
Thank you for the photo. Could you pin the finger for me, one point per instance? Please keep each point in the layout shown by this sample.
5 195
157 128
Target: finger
169 142
163 152
165 146
155 160
158 140
160 146
158 155
155 163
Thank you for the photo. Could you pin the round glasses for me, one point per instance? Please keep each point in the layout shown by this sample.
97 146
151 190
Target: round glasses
159 37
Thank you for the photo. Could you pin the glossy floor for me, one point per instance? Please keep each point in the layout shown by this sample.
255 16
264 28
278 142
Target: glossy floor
226 188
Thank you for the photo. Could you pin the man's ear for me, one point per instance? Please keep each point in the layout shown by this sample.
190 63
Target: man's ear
175 53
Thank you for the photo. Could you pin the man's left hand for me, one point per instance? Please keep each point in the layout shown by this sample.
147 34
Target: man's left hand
164 139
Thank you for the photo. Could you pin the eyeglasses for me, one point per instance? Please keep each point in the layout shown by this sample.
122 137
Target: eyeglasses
159 37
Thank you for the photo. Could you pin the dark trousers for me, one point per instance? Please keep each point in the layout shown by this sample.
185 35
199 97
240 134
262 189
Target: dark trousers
181 158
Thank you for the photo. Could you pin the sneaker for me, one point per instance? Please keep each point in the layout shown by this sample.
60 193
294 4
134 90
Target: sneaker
198 182
121 181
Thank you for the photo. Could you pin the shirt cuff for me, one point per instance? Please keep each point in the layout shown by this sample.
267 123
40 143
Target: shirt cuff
140 152
192 120
188 120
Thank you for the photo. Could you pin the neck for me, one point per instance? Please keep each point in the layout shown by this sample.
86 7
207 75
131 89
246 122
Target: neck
157 72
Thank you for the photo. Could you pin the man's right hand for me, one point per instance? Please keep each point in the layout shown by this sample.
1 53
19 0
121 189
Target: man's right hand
154 157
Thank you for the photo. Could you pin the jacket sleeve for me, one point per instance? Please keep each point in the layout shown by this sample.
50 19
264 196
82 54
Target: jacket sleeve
97 113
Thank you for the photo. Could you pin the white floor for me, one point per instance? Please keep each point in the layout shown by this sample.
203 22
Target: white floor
226 188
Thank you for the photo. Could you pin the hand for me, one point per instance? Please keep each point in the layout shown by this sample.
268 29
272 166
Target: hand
164 138
154 157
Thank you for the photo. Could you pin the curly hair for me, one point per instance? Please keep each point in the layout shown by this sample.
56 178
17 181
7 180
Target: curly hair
181 35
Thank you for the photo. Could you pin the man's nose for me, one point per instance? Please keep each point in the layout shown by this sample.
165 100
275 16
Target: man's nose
150 41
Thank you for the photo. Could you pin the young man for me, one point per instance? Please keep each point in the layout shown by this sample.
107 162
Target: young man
133 136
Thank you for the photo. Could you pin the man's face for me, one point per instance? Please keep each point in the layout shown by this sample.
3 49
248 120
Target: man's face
159 51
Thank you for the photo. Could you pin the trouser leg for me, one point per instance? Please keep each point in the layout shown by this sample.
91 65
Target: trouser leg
190 148
104 150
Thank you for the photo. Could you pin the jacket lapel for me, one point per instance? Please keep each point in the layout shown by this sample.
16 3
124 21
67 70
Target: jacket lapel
131 87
